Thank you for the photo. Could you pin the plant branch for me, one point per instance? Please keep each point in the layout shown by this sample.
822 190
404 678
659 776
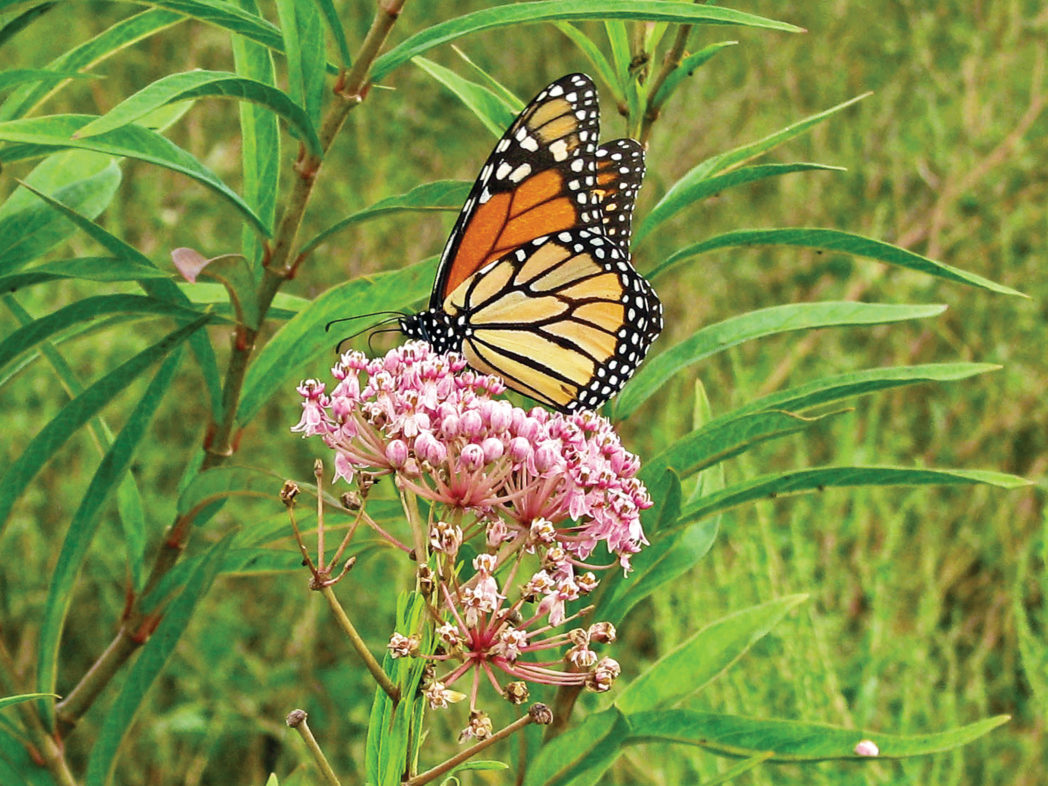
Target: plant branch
360 646
296 719
220 443
669 64
538 713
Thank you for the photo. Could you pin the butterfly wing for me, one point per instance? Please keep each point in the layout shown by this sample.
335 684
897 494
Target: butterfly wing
620 170
565 319
536 181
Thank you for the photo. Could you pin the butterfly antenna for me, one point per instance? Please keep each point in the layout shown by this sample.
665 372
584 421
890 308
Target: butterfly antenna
371 349
327 327
338 348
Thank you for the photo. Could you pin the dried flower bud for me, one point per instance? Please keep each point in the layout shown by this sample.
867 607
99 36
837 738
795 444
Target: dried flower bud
516 692
541 714
581 657
450 635
425 580
602 632
288 492
351 501
603 675
445 538
579 637
587 582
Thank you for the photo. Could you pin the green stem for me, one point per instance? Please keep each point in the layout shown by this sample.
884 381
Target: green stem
669 65
358 644
296 719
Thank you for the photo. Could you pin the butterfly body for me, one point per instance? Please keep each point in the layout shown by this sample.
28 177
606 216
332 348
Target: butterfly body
535 283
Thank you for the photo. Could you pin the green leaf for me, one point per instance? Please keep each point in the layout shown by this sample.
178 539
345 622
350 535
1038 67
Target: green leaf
304 48
580 754
792 741
259 142
751 150
163 289
8 701
688 66
225 16
16 765
43 328
148 665
493 112
834 240
704 656
730 774
828 390
85 521
677 199
19 76
604 70
10 29
551 10
191 85
52 436
109 42
300 342
32 231
819 478
441 195
84 268
619 41
726 437
780 414
334 23
57 132
756 324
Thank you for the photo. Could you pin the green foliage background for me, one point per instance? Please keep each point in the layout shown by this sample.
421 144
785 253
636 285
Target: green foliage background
927 605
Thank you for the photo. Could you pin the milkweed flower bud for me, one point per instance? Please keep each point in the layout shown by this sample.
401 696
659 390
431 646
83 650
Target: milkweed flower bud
867 748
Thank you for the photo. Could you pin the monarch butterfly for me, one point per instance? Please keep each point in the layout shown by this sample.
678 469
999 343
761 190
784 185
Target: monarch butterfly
535 282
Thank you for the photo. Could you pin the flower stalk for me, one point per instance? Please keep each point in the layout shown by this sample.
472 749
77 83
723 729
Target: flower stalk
296 719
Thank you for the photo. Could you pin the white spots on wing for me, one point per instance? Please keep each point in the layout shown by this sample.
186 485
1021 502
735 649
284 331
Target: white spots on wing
559 149
504 169
529 143
485 195
520 172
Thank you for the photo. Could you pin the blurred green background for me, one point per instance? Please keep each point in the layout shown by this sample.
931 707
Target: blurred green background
927 606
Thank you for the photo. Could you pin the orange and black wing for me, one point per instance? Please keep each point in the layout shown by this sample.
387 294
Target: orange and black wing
565 319
620 170
537 181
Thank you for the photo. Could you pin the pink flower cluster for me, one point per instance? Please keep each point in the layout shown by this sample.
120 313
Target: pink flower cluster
561 483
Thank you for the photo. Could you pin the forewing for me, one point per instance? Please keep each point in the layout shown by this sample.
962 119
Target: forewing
536 181
565 319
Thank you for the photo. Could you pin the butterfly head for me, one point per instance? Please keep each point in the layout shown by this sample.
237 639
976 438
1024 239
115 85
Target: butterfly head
436 327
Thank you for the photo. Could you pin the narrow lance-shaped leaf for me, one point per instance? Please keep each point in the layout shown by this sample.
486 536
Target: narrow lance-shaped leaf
259 142
680 198
304 50
781 413
192 85
751 150
27 337
300 341
604 69
580 754
757 324
91 52
334 23
792 741
705 655
686 68
84 268
166 290
29 228
819 478
225 16
485 104
551 10
834 240
8 701
12 28
57 132
439 196
18 76
148 666
85 521
52 436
